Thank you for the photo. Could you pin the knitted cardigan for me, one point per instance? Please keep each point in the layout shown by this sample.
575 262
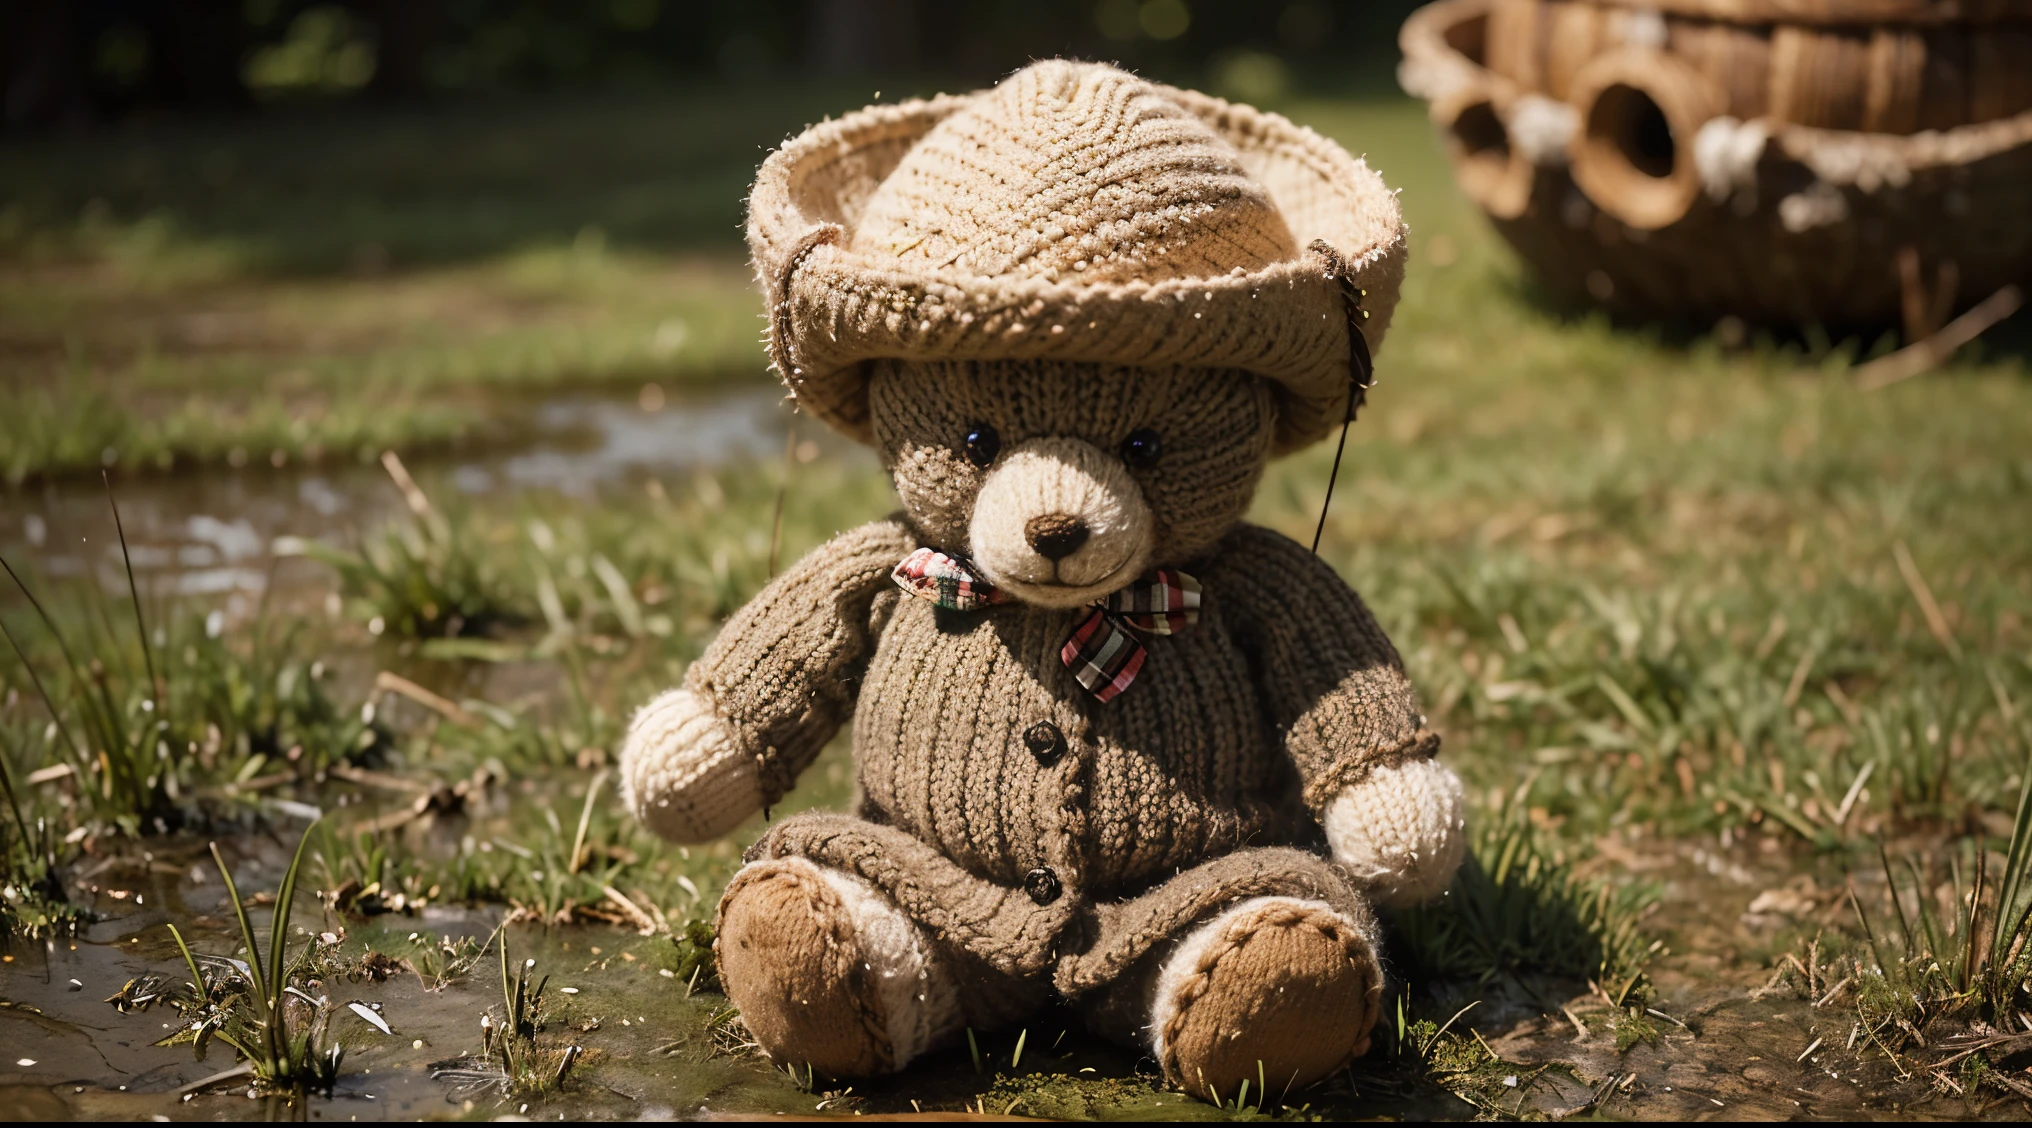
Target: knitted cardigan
981 761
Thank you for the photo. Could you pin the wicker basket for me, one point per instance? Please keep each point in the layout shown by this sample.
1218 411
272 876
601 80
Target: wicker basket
1790 161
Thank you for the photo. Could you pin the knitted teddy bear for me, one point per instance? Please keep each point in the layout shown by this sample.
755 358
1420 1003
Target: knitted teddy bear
1116 749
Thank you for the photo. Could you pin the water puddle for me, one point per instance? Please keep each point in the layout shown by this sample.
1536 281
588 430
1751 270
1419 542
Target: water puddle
210 533
651 1047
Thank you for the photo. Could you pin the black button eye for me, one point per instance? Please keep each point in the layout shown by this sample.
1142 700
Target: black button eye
1140 448
1042 885
983 444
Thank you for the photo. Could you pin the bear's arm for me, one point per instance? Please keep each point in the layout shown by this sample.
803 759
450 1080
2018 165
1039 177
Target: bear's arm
1336 692
785 669
767 694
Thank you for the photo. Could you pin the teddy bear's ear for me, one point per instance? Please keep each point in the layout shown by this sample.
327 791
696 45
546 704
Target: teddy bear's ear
873 238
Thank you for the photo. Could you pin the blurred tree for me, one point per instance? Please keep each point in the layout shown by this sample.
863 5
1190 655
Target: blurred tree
861 36
79 60
86 60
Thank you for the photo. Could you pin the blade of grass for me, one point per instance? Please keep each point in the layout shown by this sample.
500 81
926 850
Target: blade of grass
190 961
260 982
1966 973
134 597
2010 887
69 659
48 702
111 733
1897 905
278 938
507 994
13 803
578 848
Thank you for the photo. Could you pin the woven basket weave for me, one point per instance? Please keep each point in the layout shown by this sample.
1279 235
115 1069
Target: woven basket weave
1770 159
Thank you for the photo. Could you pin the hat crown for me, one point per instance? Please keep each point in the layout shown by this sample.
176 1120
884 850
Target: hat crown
1076 171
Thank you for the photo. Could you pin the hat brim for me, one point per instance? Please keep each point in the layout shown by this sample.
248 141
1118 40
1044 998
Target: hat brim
832 310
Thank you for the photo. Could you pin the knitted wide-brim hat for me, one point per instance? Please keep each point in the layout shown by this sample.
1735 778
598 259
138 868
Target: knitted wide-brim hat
1073 212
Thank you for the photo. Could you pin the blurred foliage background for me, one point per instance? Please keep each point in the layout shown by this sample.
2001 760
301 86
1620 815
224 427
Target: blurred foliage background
91 61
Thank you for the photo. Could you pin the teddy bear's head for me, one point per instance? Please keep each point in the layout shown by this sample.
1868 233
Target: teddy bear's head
1076 312
1064 481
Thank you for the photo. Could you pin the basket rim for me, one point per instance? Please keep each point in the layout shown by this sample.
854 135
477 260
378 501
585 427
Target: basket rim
1839 13
1433 69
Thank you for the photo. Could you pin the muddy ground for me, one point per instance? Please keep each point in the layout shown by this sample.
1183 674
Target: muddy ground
1723 1043
1727 1028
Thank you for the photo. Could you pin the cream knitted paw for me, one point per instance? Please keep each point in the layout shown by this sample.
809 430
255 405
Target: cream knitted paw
682 771
1400 831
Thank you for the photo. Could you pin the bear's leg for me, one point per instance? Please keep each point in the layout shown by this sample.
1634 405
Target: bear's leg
828 973
1276 991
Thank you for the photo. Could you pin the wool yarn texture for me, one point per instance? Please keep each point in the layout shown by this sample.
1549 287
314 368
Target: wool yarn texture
1235 737
1094 711
1073 212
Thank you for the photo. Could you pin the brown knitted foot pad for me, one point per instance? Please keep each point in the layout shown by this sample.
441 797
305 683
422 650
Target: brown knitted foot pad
1292 986
791 964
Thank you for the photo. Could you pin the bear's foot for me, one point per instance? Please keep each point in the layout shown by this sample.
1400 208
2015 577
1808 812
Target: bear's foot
1276 991
827 973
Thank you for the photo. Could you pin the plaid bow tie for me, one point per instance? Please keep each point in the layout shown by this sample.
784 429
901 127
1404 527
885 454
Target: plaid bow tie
1103 653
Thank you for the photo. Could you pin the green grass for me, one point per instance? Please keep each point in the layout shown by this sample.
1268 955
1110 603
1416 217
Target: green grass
324 284
33 902
143 376
1958 950
1518 917
515 1057
1653 589
281 1031
1641 568
151 728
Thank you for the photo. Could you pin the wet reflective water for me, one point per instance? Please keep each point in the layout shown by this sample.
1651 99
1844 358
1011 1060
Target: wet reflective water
1721 1051
211 533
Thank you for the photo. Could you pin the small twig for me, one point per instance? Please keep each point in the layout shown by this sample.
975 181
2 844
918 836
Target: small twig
1923 356
1770 986
1579 1027
1841 815
258 783
1808 1051
2014 1041
1441 1032
379 780
48 775
1843 702
388 681
2011 1083
1833 991
1656 1013
241 1070
634 911
412 494
1935 621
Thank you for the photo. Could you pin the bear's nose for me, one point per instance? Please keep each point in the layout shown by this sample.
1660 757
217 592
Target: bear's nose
1055 536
